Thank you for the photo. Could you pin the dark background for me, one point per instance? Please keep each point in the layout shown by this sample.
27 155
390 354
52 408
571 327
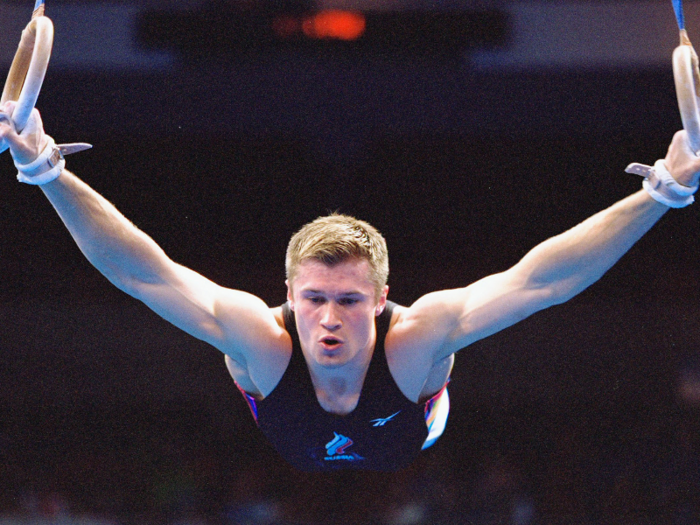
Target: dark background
576 413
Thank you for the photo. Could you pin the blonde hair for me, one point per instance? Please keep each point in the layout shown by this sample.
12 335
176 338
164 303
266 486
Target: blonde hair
336 238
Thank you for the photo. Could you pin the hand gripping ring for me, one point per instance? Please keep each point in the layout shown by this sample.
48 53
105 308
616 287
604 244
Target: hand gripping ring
28 69
687 79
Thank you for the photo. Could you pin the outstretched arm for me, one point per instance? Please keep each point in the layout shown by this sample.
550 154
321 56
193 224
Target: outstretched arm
551 273
235 322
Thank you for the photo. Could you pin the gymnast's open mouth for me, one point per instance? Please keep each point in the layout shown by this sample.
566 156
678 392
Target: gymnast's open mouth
330 342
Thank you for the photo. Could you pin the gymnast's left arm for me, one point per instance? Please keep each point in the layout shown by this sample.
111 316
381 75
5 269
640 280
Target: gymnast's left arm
556 269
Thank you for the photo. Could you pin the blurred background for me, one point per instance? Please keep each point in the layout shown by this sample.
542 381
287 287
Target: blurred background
467 132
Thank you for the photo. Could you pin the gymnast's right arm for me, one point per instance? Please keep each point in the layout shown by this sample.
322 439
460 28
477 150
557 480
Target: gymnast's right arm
237 323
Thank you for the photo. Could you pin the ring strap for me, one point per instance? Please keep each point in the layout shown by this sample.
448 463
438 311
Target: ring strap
661 185
49 164
678 9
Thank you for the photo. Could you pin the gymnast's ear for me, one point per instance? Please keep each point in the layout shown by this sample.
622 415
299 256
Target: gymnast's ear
381 304
290 298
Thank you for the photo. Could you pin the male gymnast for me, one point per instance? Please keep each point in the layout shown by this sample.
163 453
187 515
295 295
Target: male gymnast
338 376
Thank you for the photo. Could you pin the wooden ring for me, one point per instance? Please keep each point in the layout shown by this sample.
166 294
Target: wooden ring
687 80
28 69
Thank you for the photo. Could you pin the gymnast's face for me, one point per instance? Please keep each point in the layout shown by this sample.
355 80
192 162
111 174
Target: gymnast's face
335 308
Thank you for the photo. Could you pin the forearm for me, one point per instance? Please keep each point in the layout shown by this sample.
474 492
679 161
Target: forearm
118 249
570 262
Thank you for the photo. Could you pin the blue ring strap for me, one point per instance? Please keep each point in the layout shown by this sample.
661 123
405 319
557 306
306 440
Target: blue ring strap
678 8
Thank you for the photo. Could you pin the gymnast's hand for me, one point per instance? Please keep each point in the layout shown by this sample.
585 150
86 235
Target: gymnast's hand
682 162
24 146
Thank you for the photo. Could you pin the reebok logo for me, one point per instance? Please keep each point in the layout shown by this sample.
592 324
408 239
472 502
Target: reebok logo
383 420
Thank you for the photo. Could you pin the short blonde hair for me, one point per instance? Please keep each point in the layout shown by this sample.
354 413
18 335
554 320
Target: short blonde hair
336 238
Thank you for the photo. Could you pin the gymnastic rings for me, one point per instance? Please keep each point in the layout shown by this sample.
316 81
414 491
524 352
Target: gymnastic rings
687 80
29 67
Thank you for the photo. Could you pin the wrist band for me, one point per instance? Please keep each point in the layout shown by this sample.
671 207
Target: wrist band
49 164
661 185
45 168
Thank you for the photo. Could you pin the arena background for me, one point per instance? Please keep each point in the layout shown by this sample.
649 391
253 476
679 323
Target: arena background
463 156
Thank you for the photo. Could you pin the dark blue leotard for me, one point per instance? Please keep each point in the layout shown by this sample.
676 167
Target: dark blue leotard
386 431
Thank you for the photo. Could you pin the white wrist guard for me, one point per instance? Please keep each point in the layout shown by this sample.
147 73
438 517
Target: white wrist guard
45 168
49 164
661 185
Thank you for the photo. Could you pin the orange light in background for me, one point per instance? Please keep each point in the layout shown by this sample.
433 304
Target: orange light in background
334 24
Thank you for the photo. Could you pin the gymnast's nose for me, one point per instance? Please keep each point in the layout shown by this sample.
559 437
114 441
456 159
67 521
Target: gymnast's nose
330 320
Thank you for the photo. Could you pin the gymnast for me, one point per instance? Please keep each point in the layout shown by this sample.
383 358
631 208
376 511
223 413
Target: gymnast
340 377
